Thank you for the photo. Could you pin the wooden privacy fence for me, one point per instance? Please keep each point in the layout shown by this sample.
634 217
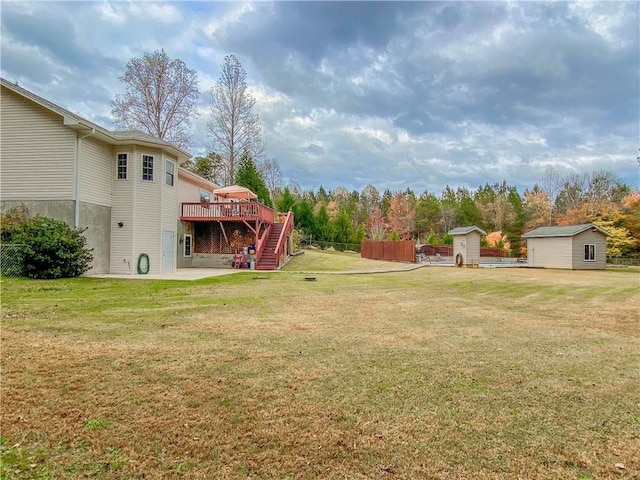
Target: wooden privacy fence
398 250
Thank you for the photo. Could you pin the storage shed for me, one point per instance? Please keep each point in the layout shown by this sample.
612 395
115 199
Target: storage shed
466 245
575 247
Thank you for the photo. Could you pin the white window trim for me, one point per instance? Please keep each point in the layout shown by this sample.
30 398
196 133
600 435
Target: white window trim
184 245
153 167
126 176
166 172
595 255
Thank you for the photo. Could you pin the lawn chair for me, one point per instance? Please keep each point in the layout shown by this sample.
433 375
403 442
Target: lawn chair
239 260
439 258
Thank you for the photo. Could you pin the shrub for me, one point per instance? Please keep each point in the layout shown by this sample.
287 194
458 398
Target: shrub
52 249
11 220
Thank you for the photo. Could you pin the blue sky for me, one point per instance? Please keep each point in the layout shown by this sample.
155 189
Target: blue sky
398 95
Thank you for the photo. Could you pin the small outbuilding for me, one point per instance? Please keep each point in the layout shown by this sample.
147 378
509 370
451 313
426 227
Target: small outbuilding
466 245
575 247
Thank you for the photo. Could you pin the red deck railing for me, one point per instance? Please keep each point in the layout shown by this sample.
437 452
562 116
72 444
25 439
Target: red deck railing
226 211
286 231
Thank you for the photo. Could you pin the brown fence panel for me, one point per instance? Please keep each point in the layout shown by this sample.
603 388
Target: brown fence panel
397 250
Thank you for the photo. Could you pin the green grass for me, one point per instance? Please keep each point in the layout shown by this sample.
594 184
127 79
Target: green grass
433 373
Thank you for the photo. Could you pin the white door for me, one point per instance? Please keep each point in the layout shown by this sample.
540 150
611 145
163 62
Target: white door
167 251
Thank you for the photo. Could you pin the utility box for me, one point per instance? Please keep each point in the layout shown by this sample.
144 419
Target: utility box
466 245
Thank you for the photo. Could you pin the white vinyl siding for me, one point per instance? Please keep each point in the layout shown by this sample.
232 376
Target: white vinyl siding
170 215
96 165
552 252
148 210
122 257
38 152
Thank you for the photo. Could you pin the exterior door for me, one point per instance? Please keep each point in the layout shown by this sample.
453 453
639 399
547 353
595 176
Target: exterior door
167 251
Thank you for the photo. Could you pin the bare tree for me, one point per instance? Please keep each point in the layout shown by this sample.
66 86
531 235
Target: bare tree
160 97
270 169
234 125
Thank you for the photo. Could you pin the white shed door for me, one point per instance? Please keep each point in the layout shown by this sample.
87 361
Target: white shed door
167 251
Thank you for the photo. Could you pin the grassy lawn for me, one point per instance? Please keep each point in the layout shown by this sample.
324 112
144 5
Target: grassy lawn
435 373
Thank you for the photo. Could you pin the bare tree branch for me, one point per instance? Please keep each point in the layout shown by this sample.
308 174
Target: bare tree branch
234 126
160 98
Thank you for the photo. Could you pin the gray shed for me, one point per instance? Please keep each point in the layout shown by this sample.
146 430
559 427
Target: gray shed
575 247
466 245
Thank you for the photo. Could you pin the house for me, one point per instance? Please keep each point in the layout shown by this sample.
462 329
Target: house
126 188
466 245
577 247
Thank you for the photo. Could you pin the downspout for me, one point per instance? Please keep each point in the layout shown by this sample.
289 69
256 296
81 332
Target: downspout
76 219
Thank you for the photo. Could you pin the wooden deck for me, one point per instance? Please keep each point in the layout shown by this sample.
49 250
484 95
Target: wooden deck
227 212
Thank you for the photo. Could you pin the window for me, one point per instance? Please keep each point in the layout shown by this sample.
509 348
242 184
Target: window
169 172
122 166
589 253
204 196
187 245
147 168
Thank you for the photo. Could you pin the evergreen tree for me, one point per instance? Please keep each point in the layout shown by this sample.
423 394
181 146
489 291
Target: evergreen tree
248 176
322 225
342 229
286 201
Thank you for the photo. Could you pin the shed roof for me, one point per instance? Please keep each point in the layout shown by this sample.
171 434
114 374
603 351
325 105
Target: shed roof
563 231
466 230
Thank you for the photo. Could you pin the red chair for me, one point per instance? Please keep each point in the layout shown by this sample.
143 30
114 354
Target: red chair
239 260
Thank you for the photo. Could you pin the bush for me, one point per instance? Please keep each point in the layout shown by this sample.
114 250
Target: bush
51 248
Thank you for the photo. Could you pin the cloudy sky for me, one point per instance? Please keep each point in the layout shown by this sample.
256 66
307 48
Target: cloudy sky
398 95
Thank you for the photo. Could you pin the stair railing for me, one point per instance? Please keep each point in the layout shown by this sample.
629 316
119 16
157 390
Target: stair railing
287 228
261 242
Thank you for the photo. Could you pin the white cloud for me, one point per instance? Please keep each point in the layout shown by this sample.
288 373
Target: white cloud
160 12
112 13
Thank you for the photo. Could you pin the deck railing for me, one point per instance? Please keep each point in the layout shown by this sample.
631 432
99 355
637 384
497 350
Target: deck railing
226 211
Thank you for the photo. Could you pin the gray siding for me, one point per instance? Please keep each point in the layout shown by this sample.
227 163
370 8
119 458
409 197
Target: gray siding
593 238
38 152
96 219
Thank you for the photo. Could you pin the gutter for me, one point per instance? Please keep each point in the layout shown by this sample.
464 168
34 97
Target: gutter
76 219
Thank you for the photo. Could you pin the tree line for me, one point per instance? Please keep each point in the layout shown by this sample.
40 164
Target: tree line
499 208
161 97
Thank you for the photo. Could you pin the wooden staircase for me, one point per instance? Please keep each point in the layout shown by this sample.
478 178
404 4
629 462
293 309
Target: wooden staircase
268 260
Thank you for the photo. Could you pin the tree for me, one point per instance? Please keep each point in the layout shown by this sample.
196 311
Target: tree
342 230
160 97
322 224
401 215
234 125
270 169
207 167
248 176
303 215
376 228
286 201
538 207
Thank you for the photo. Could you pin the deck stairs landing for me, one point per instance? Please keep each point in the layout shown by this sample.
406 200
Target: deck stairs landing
268 260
